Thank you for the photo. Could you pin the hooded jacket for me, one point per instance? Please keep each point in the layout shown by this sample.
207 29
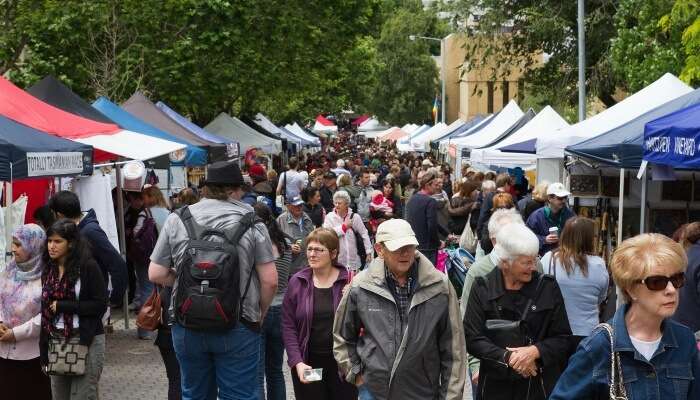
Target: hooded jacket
428 361
111 263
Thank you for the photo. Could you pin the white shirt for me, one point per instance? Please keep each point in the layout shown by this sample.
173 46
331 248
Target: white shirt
647 349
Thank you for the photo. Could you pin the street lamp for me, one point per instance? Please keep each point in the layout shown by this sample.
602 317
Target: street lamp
442 69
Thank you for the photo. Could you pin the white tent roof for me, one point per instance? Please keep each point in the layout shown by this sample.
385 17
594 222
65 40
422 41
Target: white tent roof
298 131
232 128
546 121
128 144
508 116
419 141
370 124
450 128
663 90
264 122
377 134
415 133
409 128
320 128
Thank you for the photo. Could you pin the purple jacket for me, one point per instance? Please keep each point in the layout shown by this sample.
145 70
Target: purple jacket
298 311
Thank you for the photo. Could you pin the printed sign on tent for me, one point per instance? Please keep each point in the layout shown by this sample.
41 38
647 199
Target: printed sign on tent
54 163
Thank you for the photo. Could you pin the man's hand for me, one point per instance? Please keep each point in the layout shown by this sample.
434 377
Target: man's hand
296 249
551 238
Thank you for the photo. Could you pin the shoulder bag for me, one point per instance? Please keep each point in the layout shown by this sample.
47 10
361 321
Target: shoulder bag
150 315
67 357
617 384
506 333
468 239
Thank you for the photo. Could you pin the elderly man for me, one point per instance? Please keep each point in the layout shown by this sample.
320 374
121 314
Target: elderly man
553 215
397 331
297 225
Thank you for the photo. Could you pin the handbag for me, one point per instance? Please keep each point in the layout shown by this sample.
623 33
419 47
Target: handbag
150 315
67 357
617 384
468 238
507 333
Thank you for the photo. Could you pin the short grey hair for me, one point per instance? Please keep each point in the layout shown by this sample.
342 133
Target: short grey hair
515 240
488 185
501 218
342 195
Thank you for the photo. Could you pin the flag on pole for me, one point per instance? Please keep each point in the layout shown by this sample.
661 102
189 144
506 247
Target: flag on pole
435 110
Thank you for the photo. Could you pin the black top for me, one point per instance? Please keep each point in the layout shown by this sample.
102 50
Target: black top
315 213
421 213
321 338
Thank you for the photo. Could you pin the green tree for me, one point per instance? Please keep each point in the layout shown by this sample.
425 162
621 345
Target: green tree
507 33
407 76
686 15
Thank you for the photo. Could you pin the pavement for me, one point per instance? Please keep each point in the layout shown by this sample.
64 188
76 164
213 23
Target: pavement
134 369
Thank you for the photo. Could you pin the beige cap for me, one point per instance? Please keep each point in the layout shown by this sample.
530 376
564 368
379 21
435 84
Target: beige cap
395 234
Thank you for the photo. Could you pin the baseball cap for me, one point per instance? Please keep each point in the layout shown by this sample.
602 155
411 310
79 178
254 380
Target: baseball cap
295 201
558 189
330 175
395 234
427 162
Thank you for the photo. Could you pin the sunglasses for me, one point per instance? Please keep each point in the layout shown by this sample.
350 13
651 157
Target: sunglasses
659 282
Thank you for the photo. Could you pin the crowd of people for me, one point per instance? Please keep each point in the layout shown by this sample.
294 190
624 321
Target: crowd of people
337 260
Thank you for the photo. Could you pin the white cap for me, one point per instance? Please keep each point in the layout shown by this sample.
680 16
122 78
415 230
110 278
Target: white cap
558 189
395 234
427 162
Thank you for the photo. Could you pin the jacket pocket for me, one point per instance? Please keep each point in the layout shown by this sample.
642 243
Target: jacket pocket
681 377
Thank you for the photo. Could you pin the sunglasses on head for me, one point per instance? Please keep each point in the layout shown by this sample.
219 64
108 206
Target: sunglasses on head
659 282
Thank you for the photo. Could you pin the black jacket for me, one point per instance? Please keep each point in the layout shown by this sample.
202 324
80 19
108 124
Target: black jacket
327 199
90 307
107 257
547 324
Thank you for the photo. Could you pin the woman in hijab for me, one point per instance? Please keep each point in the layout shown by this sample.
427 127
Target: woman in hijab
20 317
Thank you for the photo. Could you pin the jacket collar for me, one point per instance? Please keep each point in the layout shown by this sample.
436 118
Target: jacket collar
622 341
427 274
497 288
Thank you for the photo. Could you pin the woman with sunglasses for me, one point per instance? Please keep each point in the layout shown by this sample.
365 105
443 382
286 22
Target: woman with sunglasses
308 311
659 356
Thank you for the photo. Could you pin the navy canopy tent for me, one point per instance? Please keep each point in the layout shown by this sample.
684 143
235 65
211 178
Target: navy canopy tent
622 146
527 147
27 153
673 139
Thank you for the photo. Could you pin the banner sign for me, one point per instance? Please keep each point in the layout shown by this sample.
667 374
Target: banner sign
674 139
54 163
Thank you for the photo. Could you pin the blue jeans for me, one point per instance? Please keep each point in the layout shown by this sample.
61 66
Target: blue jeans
232 357
271 356
144 287
364 393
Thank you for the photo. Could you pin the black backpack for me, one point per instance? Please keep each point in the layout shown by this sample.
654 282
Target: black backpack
208 294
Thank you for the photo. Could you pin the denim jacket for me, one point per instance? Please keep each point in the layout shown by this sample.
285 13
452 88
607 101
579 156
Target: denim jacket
670 375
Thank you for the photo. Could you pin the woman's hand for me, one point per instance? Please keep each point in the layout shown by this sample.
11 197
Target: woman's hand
8 336
524 360
296 249
53 306
301 367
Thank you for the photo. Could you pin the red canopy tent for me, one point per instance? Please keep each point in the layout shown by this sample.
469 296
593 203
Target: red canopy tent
359 120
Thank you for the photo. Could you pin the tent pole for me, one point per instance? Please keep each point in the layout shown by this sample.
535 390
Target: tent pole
643 206
122 237
620 212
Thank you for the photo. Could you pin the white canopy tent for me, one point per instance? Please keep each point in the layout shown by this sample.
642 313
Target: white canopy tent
299 131
371 124
133 145
508 116
232 128
665 89
409 128
404 144
546 120
420 142
377 134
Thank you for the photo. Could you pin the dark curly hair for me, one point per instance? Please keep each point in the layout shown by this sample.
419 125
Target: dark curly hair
78 249
276 235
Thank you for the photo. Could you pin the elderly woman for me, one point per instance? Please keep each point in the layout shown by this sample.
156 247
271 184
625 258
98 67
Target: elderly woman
659 356
308 311
523 359
20 317
351 231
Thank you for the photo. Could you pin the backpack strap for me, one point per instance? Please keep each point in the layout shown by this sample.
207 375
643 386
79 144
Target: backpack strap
191 226
248 221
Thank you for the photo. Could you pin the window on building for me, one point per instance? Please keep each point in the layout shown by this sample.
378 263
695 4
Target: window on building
489 97
506 92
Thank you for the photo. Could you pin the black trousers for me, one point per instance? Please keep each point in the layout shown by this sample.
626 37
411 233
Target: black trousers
172 370
331 387
23 379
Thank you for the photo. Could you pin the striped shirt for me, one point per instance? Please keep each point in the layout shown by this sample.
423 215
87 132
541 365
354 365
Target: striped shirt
283 264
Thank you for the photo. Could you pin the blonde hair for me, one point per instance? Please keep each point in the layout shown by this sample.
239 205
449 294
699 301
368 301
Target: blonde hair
155 193
539 193
634 258
344 180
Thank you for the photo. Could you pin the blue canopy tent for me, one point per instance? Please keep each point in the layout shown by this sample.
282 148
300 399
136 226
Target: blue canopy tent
528 147
194 156
27 152
673 139
232 147
622 146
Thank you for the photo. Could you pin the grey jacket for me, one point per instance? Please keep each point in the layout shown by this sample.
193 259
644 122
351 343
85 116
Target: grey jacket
296 232
427 362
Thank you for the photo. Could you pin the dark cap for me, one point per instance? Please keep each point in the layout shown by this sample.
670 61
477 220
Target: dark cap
330 175
224 173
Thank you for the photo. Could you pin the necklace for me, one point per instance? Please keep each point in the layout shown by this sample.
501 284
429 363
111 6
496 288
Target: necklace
327 282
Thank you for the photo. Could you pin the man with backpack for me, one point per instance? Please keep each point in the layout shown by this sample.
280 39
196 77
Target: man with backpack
219 260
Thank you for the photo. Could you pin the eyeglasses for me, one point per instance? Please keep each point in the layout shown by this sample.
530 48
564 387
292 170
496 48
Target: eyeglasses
316 250
659 282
